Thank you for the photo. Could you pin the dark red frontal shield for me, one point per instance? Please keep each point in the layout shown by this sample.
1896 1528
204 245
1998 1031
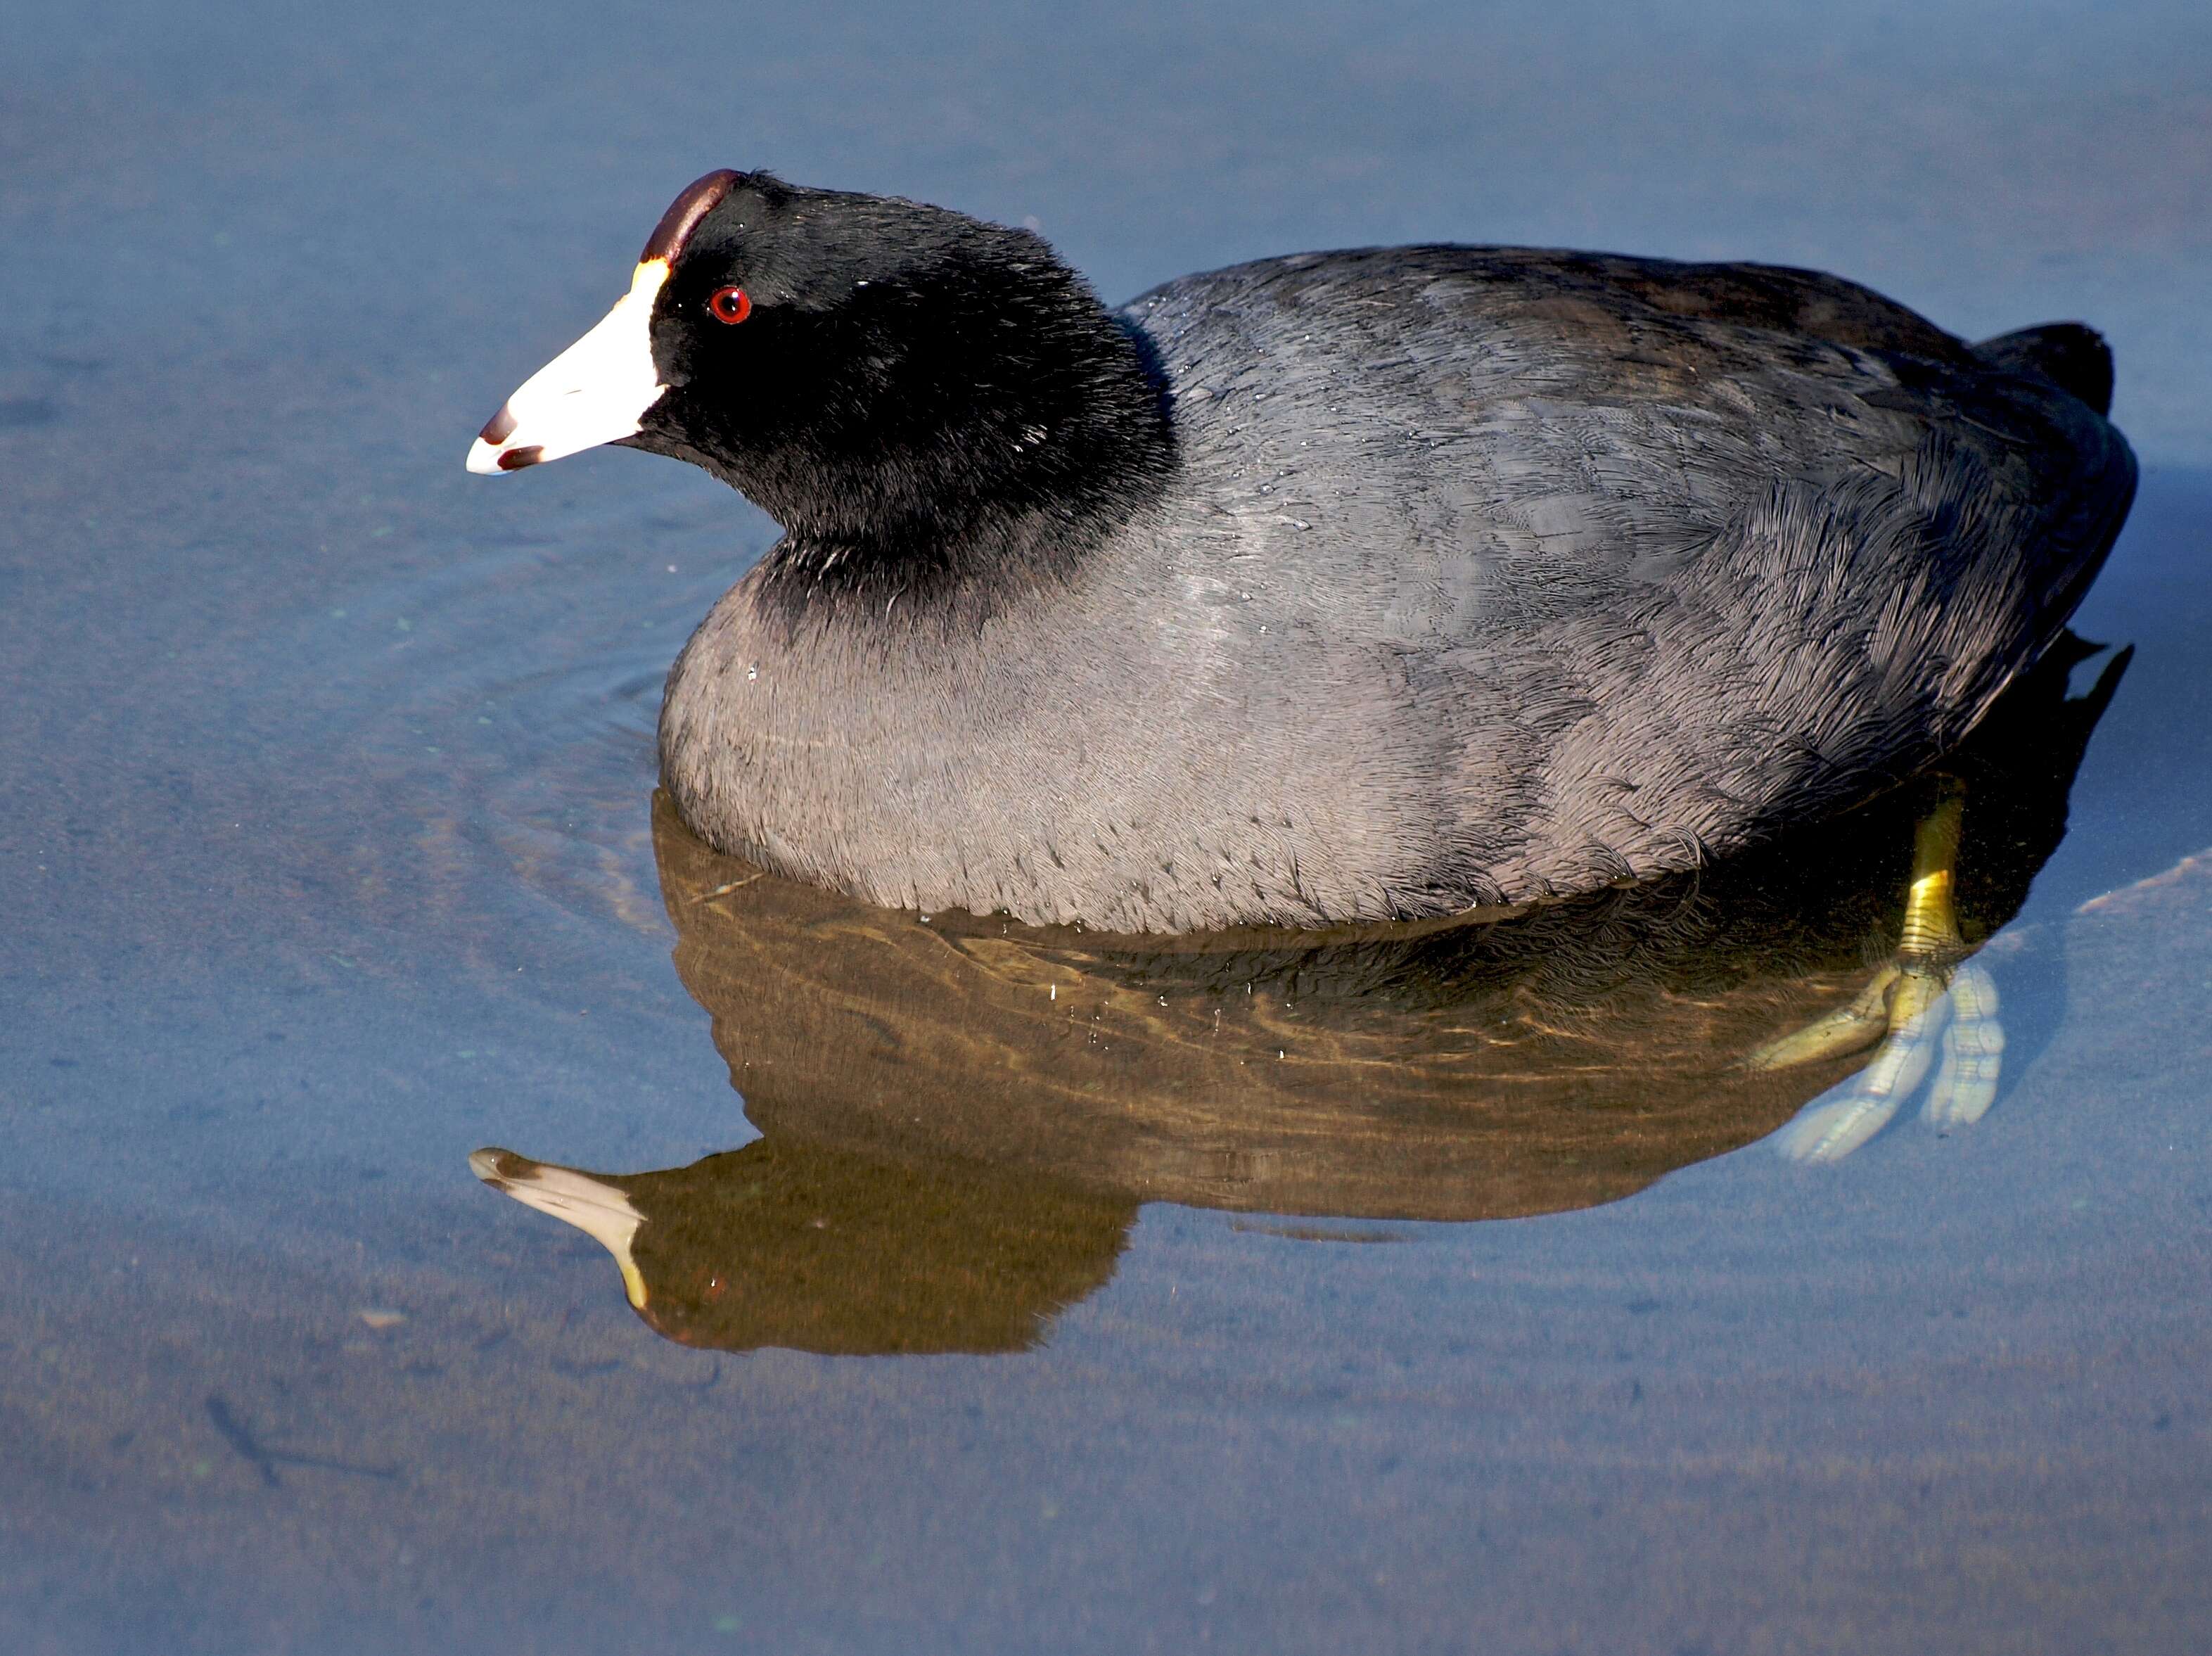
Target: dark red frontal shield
699 198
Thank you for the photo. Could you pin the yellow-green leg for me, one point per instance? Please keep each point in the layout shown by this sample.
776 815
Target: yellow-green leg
1925 993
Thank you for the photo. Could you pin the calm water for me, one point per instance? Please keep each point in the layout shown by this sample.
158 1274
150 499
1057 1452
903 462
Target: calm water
329 837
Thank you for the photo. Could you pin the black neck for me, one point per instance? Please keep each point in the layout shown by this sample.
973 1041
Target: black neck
969 435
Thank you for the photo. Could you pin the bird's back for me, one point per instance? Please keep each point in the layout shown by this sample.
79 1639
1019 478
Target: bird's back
1657 557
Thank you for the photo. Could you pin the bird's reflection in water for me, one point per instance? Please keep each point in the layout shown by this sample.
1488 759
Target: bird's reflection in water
962 1116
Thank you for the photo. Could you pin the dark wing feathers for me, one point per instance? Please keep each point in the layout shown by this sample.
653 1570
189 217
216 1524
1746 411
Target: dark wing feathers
1666 555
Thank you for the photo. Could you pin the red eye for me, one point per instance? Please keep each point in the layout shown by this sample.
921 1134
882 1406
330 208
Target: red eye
730 305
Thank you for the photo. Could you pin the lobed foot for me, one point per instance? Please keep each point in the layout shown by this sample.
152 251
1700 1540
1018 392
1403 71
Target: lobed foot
1974 1053
1927 996
1848 1029
1921 1009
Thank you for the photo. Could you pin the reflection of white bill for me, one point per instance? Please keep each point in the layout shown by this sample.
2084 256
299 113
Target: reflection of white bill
600 1211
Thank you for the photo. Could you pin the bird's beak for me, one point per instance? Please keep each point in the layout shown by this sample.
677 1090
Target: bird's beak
593 1206
595 392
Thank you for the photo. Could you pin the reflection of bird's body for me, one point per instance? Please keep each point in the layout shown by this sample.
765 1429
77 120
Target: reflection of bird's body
823 1249
961 1119
1344 587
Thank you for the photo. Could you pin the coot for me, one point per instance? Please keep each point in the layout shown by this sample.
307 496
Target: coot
1337 587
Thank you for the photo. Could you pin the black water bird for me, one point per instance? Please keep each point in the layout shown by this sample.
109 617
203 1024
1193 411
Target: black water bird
1339 588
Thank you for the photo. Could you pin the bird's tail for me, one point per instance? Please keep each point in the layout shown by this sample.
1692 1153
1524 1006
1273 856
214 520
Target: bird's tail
2073 357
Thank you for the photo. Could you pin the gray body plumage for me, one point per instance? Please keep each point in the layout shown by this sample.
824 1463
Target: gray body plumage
1483 575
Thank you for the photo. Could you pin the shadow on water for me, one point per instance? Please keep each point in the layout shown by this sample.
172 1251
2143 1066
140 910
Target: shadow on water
961 1116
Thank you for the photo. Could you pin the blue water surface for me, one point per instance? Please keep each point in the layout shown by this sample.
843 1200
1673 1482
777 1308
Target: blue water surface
325 778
